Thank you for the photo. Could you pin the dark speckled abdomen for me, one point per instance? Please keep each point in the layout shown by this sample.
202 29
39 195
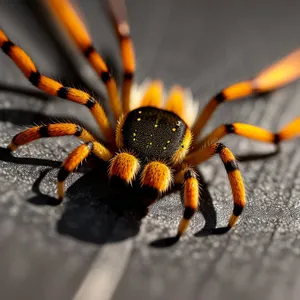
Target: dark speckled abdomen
153 133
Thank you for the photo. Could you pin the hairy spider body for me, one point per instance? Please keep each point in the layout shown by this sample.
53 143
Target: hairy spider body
152 140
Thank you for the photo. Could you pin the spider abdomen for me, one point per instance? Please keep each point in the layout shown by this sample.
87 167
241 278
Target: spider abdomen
153 133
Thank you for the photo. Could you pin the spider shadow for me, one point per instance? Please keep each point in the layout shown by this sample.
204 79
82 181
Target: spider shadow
41 198
6 156
98 213
93 211
26 118
258 156
25 91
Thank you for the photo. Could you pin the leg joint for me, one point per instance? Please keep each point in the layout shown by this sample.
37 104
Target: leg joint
62 174
219 147
237 209
188 212
34 78
220 97
63 92
229 128
128 75
91 102
105 76
276 139
6 46
43 131
231 166
88 51
189 173
78 131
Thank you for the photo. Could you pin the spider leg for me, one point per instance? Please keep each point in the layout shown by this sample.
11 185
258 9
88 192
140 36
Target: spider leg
191 196
50 130
75 158
156 178
175 101
52 87
291 130
124 166
119 17
232 169
153 95
77 30
279 74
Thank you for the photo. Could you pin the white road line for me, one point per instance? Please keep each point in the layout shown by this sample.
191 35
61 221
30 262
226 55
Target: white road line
106 272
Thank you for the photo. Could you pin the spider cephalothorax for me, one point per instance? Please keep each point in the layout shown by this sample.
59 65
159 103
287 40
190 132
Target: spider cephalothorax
152 141
155 134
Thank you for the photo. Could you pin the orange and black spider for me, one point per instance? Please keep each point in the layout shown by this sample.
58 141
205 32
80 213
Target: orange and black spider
153 140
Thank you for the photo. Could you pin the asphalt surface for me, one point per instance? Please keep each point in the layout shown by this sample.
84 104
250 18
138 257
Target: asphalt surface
48 252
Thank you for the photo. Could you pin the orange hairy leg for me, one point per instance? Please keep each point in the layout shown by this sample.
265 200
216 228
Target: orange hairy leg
124 166
156 178
290 131
52 87
119 17
50 130
277 75
77 157
191 197
233 172
153 95
72 22
175 101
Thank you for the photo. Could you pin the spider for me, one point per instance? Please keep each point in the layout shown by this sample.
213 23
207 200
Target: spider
153 140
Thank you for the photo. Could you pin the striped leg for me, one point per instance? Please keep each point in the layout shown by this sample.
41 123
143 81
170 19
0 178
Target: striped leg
50 130
191 196
289 131
52 87
234 175
72 22
281 73
119 16
74 160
